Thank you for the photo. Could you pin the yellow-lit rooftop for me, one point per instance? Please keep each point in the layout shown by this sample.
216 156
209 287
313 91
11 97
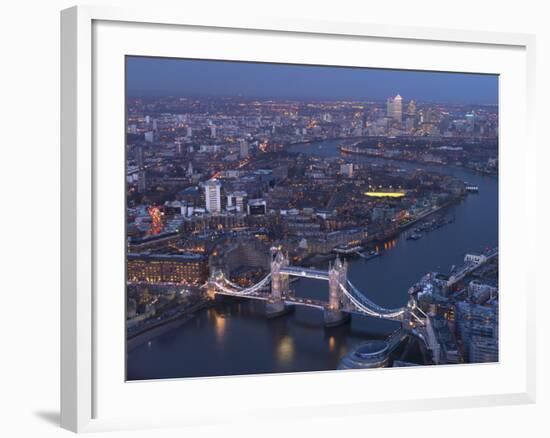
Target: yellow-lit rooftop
385 194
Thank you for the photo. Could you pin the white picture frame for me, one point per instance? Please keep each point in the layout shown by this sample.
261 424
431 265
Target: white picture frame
89 401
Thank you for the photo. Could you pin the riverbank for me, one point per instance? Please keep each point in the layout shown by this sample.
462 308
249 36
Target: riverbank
363 153
320 259
313 141
428 214
166 325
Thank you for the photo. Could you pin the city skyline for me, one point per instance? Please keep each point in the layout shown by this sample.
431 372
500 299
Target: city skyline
258 226
156 77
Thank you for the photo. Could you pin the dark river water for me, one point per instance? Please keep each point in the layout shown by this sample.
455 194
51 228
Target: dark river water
236 338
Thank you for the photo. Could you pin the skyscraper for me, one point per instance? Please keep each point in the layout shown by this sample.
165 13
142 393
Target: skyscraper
389 107
212 195
394 108
398 108
411 109
411 116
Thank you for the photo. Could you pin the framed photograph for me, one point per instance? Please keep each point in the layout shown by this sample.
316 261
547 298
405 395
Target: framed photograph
260 208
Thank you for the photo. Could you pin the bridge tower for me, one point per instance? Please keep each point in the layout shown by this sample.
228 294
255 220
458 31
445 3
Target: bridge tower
215 275
279 285
336 313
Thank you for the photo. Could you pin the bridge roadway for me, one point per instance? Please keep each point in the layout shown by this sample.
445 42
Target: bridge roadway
288 299
297 301
304 272
310 302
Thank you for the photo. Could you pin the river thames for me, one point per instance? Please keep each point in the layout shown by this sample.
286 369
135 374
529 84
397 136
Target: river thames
236 338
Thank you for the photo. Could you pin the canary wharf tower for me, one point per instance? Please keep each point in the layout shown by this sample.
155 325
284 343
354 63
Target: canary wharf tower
394 108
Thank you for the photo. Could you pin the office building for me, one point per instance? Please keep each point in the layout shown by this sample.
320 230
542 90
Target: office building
477 326
257 207
347 170
212 194
411 122
149 136
483 349
411 109
238 201
371 354
167 268
394 108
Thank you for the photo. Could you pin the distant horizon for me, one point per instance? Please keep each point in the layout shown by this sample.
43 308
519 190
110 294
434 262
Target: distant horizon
166 94
191 78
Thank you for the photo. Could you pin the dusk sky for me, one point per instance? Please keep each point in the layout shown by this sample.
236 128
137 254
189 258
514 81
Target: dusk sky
150 76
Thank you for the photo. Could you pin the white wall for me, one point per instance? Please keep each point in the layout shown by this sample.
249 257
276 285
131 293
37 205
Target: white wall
29 106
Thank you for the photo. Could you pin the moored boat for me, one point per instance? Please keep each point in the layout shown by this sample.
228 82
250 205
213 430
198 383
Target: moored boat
414 236
369 254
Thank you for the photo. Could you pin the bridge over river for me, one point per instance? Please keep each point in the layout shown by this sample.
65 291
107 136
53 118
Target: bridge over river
343 297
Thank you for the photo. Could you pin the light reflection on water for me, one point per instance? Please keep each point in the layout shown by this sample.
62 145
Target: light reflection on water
331 343
285 351
220 323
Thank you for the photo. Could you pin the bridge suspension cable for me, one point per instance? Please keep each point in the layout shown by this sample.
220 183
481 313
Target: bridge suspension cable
241 291
367 306
373 305
230 283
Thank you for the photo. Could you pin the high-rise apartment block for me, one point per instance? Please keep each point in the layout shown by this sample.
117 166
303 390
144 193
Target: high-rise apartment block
212 194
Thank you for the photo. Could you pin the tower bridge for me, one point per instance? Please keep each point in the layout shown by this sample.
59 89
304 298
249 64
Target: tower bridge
343 300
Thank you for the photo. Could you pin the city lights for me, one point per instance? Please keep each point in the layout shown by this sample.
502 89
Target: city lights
259 221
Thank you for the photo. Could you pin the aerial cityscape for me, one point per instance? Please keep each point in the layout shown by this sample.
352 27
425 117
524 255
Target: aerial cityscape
293 218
